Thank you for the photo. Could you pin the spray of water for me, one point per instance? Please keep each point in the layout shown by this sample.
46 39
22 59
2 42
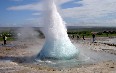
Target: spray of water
57 44
27 34
28 37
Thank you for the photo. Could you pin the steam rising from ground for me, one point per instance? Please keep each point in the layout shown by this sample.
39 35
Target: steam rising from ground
29 37
27 34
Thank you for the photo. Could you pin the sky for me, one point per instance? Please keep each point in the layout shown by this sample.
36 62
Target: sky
74 12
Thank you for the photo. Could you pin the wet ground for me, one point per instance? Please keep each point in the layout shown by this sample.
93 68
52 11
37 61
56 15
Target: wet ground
19 57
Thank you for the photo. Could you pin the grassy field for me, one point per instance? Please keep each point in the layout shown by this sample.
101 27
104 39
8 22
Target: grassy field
8 38
88 34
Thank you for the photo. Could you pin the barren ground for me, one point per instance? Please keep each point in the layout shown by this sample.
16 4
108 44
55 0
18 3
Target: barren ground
20 53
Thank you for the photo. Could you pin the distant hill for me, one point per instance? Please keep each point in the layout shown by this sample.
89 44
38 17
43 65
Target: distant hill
91 28
78 28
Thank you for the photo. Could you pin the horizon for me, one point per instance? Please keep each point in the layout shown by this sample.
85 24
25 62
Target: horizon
66 26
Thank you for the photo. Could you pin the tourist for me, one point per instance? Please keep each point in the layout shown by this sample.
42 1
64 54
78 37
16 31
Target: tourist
83 37
93 36
72 36
4 38
77 37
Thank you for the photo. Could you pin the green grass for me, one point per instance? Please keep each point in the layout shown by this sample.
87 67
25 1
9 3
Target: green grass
88 34
8 39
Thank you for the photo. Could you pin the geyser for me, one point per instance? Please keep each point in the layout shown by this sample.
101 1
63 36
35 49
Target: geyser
57 43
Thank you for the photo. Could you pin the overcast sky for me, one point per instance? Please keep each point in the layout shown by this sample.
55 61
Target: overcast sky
74 12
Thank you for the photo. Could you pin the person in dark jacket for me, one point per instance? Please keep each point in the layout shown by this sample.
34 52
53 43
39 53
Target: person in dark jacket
83 37
4 38
93 36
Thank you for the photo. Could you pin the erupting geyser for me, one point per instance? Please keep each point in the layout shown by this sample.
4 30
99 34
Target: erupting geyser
57 44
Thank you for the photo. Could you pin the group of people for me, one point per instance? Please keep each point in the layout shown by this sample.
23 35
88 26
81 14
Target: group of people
93 37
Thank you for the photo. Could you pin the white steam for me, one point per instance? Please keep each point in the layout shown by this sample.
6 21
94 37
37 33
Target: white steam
27 34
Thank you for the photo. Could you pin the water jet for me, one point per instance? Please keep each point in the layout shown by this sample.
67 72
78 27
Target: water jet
57 43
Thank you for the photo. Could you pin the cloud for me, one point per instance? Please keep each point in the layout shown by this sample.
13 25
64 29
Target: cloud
91 11
91 8
16 0
59 2
36 6
36 13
